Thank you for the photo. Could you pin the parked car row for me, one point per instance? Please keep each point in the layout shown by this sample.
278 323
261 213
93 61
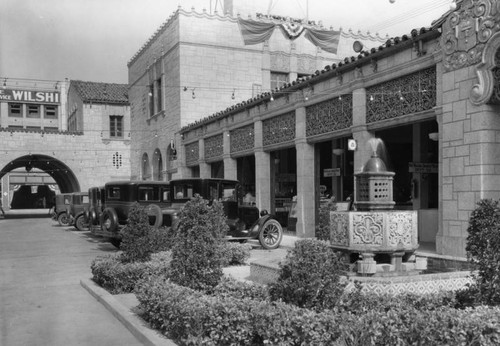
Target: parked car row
104 210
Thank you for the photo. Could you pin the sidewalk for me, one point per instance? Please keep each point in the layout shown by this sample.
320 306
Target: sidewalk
123 306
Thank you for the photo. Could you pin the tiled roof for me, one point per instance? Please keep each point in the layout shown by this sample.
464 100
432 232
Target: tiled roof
364 57
101 92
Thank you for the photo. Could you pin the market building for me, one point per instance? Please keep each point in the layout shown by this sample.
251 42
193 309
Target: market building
426 102
198 63
60 136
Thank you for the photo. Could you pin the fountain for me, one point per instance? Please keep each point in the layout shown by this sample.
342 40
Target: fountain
379 239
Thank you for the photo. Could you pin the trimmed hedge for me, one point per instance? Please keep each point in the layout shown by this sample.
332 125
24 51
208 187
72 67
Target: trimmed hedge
114 275
192 318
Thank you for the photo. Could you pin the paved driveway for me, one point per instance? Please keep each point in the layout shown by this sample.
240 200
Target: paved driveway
41 300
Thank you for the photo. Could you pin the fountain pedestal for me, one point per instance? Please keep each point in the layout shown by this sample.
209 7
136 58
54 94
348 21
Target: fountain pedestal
383 238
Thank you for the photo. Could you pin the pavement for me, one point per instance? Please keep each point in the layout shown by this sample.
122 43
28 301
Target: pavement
47 296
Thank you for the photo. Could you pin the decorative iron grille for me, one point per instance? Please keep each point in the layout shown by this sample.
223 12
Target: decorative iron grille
117 160
279 129
192 153
242 138
214 146
409 94
330 115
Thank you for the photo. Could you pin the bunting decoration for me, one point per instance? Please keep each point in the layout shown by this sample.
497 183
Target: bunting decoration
255 32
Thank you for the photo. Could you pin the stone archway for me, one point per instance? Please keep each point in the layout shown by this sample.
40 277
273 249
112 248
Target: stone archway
60 172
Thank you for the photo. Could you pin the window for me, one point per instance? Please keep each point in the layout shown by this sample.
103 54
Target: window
33 128
278 79
50 112
148 193
33 111
50 129
116 126
159 104
151 100
113 192
183 191
15 110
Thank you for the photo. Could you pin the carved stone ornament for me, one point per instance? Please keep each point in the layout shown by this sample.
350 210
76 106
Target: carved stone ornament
467 30
488 90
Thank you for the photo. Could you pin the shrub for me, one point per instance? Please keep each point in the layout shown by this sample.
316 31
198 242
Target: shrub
196 252
323 224
483 250
140 240
235 253
116 276
309 277
229 287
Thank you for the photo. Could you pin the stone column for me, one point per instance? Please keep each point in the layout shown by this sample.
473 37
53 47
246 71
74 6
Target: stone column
262 171
230 167
306 215
204 166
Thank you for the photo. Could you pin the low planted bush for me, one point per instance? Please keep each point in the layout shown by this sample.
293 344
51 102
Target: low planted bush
196 252
234 253
229 287
140 239
193 318
483 252
310 276
118 276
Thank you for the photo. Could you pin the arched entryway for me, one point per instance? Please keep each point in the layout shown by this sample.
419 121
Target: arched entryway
31 181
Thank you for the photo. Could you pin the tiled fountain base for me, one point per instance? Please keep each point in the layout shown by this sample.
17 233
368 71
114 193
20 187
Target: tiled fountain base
265 273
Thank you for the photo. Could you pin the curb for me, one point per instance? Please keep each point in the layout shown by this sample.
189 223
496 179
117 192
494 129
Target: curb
130 320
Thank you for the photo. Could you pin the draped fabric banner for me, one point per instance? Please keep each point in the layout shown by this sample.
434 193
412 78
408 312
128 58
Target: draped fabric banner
255 32
328 40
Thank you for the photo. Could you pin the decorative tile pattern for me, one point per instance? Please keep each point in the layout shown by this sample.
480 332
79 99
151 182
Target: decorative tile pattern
409 94
400 226
279 129
367 229
328 116
192 153
339 229
214 146
242 138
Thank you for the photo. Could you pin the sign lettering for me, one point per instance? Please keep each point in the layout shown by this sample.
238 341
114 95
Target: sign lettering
13 95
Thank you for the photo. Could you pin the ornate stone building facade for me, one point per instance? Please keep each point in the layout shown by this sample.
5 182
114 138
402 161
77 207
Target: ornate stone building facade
426 102
198 63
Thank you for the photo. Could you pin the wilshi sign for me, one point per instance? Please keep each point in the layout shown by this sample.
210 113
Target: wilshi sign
13 95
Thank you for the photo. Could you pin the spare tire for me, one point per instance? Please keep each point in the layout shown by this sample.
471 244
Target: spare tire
109 220
154 210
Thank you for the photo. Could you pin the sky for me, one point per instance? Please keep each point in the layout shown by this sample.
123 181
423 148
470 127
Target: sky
93 40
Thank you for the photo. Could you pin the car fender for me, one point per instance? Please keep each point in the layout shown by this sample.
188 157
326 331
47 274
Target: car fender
155 210
254 231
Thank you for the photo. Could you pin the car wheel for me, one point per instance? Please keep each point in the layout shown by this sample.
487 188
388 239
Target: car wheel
63 219
109 220
80 223
270 234
115 242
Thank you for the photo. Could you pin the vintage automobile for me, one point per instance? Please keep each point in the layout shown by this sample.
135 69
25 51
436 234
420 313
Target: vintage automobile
120 196
95 207
59 210
244 220
76 210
